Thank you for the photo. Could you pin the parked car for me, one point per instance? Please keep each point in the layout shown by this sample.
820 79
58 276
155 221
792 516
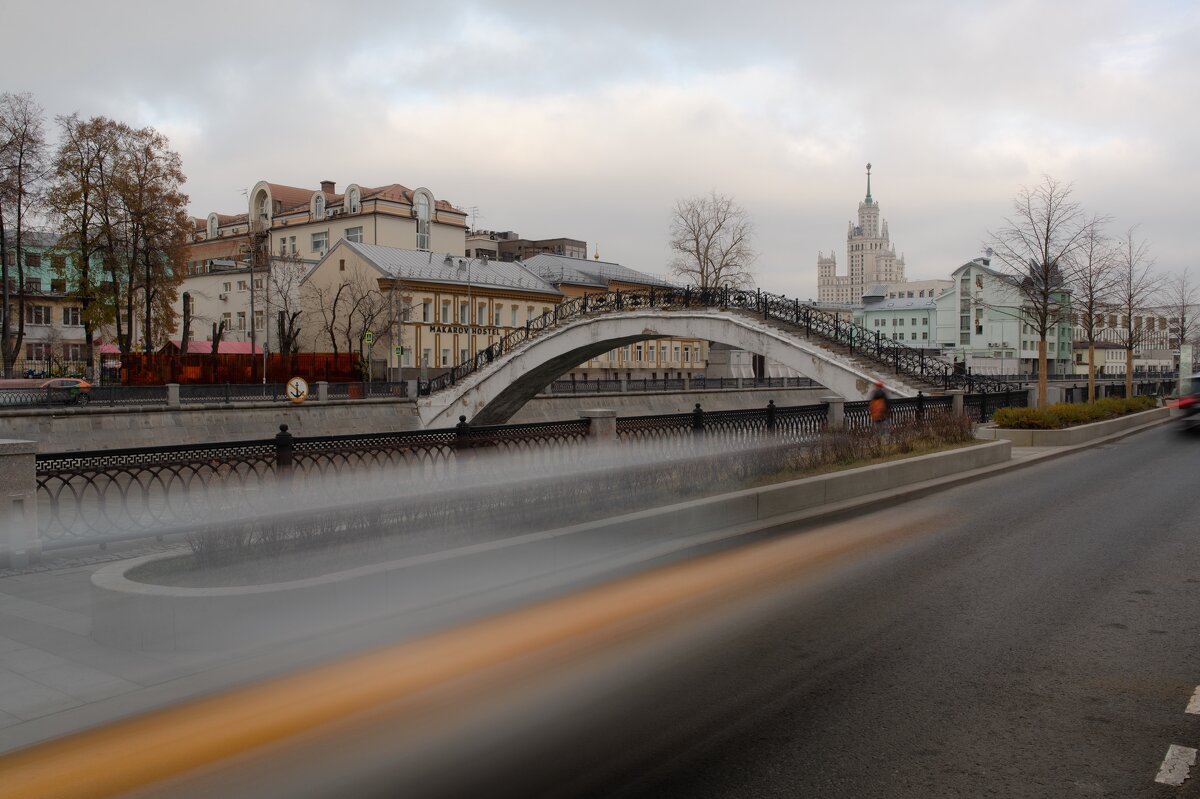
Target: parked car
70 390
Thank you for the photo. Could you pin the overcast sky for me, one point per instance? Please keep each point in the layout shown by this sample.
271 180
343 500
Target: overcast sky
588 120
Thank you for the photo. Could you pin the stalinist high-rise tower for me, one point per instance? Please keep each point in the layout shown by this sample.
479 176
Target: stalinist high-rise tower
869 252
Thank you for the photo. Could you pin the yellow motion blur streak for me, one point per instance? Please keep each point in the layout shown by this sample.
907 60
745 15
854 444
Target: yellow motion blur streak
138 752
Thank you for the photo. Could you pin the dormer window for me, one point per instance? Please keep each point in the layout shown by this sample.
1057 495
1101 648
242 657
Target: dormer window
421 208
352 201
319 207
212 226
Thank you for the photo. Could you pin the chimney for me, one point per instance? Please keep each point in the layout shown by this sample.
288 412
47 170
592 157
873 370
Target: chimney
327 186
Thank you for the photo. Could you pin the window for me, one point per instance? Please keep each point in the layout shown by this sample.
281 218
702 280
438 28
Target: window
421 209
914 322
464 314
258 284
662 353
352 201
58 286
426 355
407 357
529 313
499 312
242 285
241 320
925 321
292 244
354 233
427 311
37 314
320 241
687 354
638 353
676 352
924 335
515 309
481 314
227 319
38 351
259 320
58 262
445 357
73 352
901 322
445 318
462 356
71 317
902 337
283 245
319 207
33 284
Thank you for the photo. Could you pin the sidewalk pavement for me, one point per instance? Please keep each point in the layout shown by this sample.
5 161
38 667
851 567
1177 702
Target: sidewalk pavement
55 679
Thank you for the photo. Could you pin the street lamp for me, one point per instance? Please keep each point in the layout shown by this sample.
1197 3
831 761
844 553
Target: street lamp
470 309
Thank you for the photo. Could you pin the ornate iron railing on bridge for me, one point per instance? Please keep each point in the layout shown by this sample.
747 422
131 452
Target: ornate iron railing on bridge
904 360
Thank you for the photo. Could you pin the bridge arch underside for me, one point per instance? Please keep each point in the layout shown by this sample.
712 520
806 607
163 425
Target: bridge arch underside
494 395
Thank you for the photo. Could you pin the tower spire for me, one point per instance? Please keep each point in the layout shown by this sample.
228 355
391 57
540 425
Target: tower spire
868 184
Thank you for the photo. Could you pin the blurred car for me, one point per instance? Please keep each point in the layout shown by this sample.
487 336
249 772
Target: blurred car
70 390
1189 405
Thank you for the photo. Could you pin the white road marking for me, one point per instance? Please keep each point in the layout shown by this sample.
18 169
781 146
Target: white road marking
1176 765
1194 702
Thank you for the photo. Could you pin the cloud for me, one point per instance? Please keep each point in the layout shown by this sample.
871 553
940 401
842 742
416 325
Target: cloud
589 120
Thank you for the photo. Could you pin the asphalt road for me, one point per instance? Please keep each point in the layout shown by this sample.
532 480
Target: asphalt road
1040 640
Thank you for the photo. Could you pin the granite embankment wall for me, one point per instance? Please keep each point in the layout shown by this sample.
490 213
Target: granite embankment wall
74 429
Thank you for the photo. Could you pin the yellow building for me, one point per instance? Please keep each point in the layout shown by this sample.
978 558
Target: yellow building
289 226
416 313
414 310
661 358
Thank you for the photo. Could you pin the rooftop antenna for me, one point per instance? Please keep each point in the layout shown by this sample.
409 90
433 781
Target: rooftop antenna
474 211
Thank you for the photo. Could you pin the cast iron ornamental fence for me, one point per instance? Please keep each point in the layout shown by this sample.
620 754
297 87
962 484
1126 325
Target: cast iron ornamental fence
858 340
103 496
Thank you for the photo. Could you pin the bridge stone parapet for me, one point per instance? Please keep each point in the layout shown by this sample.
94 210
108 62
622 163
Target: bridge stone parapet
492 395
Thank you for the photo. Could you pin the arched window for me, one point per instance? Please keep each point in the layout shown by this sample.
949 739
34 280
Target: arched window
421 208
212 226
319 207
352 201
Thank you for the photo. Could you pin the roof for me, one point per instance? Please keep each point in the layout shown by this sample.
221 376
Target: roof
902 303
439 267
32 238
580 271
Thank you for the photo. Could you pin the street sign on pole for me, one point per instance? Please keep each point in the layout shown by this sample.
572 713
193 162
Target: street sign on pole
370 338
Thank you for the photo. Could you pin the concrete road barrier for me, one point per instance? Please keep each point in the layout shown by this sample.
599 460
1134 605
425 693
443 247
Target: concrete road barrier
143 616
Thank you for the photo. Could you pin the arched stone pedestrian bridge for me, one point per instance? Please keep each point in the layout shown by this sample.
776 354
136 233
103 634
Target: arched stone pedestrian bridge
493 394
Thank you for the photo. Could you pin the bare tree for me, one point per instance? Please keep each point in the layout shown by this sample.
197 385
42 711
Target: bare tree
367 308
22 173
1092 278
1134 290
1181 296
712 237
1034 246
325 304
284 298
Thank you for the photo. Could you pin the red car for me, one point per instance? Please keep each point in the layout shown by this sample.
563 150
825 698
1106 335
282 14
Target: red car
70 390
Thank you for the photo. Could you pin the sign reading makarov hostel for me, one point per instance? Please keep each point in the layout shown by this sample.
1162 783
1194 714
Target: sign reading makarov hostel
479 331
